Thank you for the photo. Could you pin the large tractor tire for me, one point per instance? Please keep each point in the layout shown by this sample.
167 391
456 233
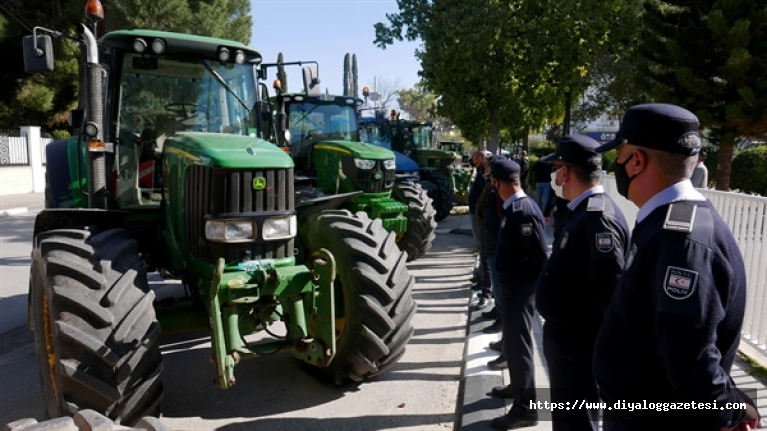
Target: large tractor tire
421 223
96 334
373 292
439 191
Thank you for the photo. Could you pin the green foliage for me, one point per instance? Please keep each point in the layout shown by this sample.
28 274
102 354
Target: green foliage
44 99
355 77
281 74
608 160
417 102
347 75
710 57
749 171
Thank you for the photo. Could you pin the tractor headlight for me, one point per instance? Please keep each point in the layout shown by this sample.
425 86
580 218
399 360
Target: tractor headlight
365 164
229 230
279 228
390 164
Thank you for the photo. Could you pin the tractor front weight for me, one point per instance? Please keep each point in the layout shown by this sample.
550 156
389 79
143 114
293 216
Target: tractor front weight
251 296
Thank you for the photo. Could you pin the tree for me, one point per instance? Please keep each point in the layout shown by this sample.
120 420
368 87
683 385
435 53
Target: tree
347 76
281 74
417 102
387 91
44 99
710 57
355 77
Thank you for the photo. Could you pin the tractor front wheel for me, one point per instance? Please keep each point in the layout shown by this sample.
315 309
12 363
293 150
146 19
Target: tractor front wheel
421 223
439 191
96 334
373 292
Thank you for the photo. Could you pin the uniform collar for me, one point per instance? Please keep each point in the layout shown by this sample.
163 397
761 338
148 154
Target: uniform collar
515 197
681 191
573 204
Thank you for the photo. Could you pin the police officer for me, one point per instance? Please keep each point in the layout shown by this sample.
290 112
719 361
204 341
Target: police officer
578 281
672 329
520 256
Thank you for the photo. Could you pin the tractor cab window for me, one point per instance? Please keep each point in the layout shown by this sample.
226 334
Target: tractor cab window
321 121
160 97
421 136
376 134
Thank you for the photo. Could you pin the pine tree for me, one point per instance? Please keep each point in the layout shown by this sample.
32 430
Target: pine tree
355 77
710 57
281 75
347 75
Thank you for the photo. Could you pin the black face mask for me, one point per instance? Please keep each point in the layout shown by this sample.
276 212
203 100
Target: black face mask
622 180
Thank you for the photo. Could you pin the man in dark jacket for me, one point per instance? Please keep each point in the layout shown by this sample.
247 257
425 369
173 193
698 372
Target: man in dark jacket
482 274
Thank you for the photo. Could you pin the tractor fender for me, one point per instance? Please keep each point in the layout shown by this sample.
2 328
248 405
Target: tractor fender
311 206
65 218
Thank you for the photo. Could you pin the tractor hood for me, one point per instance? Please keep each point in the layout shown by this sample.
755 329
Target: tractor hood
358 150
405 163
226 150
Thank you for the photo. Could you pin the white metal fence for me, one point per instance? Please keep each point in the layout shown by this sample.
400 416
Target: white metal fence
746 217
13 148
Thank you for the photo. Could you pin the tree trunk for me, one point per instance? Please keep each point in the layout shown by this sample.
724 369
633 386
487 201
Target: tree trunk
726 148
495 137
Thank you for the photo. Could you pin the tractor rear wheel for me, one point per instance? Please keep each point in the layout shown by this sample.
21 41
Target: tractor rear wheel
373 292
441 193
421 223
96 334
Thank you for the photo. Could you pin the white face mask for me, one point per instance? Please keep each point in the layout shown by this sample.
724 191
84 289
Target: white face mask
554 186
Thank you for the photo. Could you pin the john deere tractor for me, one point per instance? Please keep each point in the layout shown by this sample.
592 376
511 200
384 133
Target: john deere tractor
460 173
323 138
410 140
165 174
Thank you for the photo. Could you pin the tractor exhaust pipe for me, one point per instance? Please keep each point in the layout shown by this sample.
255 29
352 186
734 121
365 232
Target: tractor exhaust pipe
97 175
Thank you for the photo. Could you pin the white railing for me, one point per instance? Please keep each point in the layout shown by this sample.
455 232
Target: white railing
746 217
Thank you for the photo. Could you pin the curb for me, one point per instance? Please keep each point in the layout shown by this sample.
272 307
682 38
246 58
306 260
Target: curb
13 211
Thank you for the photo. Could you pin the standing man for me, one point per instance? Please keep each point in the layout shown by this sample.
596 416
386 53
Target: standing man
672 329
481 273
542 185
699 178
520 257
591 247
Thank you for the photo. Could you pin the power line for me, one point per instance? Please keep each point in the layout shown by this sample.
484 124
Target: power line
17 18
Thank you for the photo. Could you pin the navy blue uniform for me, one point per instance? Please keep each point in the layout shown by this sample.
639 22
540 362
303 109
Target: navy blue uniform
572 295
520 257
672 329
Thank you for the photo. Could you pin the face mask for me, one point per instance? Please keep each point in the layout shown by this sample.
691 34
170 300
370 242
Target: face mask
622 180
558 188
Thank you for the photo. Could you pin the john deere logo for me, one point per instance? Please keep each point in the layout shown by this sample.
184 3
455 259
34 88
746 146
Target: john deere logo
259 183
378 175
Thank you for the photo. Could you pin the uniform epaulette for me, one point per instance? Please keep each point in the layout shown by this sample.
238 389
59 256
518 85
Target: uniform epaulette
596 203
680 217
517 206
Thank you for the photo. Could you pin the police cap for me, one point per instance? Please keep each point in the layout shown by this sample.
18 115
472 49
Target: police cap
577 150
505 170
658 126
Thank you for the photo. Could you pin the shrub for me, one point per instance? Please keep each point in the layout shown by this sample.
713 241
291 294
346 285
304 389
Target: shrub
608 160
749 171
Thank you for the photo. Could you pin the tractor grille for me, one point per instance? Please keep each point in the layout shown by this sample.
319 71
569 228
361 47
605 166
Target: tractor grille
369 184
216 191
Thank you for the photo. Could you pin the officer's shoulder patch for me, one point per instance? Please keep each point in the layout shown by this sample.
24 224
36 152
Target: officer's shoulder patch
527 229
516 206
596 203
680 217
680 283
605 242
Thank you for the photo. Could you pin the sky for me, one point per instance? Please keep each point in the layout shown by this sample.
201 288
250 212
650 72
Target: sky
324 31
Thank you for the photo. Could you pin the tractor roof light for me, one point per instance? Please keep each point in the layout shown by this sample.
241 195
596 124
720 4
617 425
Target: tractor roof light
158 46
350 101
139 45
223 54
94 10
239 56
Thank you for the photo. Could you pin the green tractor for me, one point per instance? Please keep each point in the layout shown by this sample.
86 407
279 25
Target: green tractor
460 174
410 141
324 140
165 174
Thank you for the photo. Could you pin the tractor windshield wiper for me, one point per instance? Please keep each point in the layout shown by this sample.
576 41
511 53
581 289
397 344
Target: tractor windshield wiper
226 86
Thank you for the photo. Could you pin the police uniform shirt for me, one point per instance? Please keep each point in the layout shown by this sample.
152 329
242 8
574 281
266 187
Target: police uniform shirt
672 329
578 281
521 248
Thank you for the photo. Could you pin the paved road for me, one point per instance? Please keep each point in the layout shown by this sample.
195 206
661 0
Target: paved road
15 248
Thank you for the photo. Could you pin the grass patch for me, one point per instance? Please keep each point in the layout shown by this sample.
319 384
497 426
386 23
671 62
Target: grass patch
752 368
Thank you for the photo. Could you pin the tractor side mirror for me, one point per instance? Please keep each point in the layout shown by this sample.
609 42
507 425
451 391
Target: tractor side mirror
311 81
38 54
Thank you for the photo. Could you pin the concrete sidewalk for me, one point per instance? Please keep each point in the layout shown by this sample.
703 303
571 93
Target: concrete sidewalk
21 203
